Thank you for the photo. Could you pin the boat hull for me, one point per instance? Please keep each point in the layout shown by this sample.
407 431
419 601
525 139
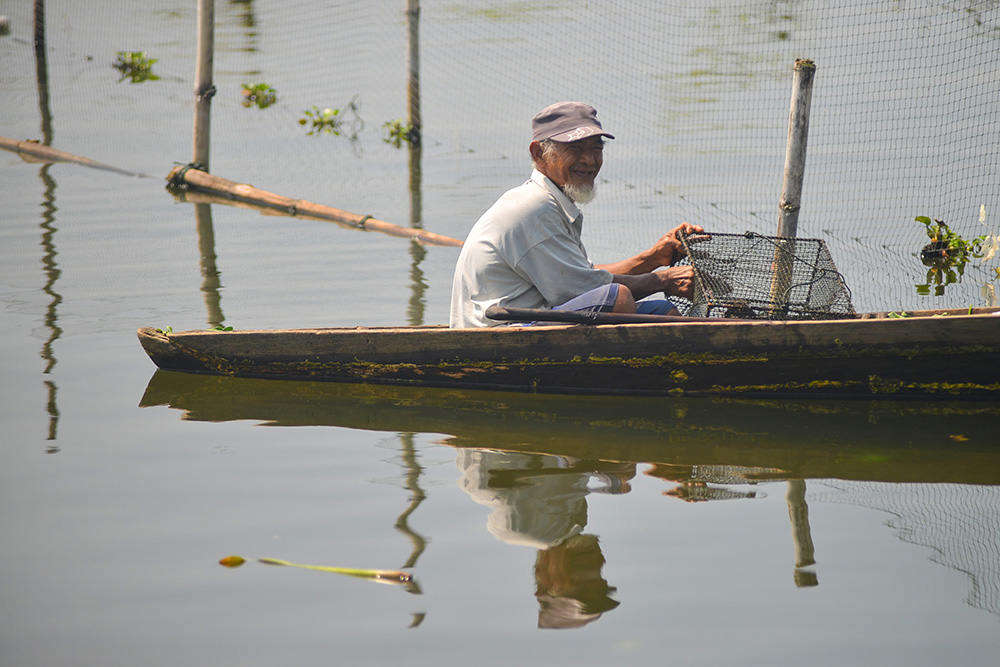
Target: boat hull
957 356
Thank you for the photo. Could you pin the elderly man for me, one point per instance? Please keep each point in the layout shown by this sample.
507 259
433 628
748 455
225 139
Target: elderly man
526 251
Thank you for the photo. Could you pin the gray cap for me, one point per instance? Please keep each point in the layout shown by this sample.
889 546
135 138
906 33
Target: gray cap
565 122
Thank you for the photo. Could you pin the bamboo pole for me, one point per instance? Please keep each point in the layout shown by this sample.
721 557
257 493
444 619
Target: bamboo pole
795 150
791 185
226 191
415 309
413 89
33 151
42 72
203 88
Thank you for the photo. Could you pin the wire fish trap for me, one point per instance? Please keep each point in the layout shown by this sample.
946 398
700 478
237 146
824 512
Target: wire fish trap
751 276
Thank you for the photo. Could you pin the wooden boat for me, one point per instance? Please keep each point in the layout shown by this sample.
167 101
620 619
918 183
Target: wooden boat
942 354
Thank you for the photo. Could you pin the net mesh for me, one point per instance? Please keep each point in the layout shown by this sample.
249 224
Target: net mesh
905 106
752 276
904 114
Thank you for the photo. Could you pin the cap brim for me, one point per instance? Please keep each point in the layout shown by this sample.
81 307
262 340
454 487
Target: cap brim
579 133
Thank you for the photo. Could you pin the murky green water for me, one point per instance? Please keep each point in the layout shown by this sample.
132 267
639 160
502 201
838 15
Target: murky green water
564 530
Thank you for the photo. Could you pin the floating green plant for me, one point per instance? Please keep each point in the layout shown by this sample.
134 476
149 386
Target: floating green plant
334 121
946 255
136 66
399 132
259 95
327 121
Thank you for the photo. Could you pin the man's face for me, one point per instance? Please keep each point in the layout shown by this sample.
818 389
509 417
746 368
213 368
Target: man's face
575 163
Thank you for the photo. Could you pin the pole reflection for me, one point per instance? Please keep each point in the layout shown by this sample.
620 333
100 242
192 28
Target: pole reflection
417 496
248 20
50 266
211 282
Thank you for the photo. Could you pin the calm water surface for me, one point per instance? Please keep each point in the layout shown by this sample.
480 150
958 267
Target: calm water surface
537 529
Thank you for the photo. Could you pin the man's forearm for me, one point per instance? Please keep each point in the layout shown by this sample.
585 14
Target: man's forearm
633 266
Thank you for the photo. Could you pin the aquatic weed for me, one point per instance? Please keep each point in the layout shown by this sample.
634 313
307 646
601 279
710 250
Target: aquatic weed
135 65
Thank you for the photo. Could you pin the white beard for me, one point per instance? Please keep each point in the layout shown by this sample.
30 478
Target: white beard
580 194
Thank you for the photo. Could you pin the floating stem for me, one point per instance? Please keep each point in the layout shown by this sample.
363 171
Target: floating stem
379 576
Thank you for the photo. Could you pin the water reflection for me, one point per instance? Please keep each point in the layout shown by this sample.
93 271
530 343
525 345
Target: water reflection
248 20
210 275
417 496
52 273
49 253
535 459
540 501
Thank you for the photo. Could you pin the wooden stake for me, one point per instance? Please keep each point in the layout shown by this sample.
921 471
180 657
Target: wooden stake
203 87
413 89
795 151
791 184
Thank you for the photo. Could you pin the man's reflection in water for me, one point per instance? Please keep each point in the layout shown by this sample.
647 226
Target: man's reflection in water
541 501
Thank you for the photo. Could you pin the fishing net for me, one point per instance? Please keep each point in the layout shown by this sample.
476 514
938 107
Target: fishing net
752 276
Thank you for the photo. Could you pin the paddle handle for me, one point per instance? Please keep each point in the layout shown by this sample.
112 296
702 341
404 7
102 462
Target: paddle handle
504 313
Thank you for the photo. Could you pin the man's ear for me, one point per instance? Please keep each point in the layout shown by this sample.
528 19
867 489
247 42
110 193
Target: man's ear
535 147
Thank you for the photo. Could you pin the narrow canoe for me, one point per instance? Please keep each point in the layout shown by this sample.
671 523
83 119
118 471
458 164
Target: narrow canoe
928 354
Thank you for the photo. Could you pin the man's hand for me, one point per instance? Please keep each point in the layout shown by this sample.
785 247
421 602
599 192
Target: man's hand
677 281
667 252
673 281
669 249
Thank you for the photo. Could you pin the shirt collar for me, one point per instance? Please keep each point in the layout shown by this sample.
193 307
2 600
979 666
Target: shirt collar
565 203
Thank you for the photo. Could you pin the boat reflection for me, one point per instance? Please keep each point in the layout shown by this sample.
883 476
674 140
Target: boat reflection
855 440
534 459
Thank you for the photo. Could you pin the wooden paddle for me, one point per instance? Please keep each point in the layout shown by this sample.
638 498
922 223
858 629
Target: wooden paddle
503 313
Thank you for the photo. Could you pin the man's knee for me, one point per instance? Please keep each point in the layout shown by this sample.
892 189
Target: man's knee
624 301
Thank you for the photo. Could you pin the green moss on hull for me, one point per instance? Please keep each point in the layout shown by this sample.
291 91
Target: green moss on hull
675 373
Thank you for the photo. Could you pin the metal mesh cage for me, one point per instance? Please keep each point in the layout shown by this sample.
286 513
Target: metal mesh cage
765 277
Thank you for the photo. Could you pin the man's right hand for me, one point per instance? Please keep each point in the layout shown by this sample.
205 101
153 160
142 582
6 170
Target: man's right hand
677 281
673 281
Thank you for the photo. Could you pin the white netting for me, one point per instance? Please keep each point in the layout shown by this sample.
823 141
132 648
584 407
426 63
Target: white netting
904 113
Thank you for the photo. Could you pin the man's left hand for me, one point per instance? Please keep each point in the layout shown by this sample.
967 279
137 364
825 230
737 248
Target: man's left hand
669 249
